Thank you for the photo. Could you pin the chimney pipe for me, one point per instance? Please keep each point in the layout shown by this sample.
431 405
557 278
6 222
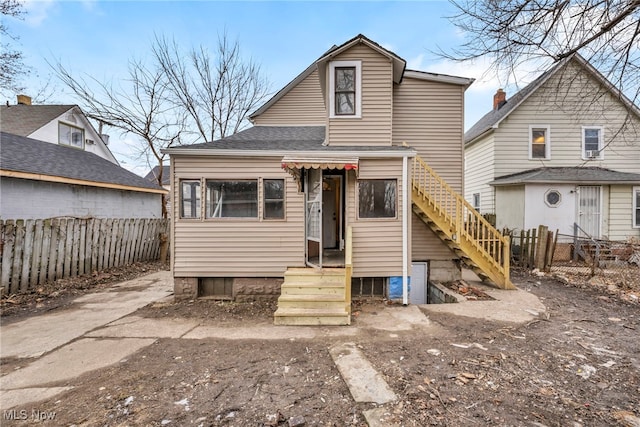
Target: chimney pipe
24 100
499 99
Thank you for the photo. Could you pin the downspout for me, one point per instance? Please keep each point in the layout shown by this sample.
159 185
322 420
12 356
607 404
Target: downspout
405 231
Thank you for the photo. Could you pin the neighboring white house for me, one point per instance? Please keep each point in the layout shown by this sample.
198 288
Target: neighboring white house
58 124
563 150
43 180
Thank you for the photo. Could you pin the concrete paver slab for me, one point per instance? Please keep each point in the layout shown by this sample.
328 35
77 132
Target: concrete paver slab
264 332
364 382
37 335
141 327
72 360
25 396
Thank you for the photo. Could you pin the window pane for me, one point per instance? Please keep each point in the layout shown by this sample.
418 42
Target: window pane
69 135
377 198
190 199
345 79
591 139
538 143
345 103
232 199
273 199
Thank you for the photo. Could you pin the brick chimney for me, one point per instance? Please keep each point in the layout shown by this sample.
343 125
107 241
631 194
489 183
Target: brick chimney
499 99
24 100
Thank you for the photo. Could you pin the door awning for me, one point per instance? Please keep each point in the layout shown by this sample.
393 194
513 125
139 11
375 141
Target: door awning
294 165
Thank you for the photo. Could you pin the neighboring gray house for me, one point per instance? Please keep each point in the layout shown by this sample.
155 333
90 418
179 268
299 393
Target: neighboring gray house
563 150
57 124
43 180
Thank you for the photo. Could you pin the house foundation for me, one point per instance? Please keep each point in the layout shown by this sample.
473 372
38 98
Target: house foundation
235 288
444 270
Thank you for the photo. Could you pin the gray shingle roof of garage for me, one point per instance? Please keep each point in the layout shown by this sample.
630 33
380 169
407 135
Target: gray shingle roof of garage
153 175
23 119
577 175
20 154
283 138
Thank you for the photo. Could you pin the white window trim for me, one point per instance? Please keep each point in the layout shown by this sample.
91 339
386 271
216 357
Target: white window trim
635 207
547 143
332 94
61 123
600 143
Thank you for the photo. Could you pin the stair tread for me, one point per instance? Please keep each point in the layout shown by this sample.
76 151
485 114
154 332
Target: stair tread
322 284
308 312
312 297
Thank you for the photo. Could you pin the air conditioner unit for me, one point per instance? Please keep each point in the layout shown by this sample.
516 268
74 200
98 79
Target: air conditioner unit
89 141
592 154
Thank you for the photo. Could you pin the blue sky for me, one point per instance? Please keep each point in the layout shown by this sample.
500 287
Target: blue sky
99 37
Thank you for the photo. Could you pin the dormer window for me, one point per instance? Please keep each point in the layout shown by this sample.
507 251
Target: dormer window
70 135
346 83
592 143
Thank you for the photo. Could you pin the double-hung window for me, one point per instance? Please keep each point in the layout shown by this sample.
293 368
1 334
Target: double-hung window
539 147
190 198
377 198
232 199
636 207
70 135
345 81
592 145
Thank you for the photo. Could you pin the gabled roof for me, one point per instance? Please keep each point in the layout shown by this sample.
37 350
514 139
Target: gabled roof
568 175
280 140
23 119
28 158
399 66
492 119
153 175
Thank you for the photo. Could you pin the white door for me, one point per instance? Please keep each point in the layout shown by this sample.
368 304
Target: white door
589 206
313 209
418 286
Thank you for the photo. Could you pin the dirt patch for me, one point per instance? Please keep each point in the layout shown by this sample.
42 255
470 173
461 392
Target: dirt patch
576 365
471 293
53 295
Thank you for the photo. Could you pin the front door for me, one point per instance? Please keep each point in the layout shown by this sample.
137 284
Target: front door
589 215
313 211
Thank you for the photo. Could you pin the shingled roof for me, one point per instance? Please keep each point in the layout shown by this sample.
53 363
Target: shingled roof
23 120
20 155
281 139
153 174
568 175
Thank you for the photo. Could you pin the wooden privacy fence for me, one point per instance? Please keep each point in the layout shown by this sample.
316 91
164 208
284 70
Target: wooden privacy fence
42 250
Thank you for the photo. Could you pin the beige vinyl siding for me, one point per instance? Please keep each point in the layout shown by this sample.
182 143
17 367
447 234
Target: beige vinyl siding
377 243
621 213
302 105
479 171
428 116
425 245
566 107
374 126
231 247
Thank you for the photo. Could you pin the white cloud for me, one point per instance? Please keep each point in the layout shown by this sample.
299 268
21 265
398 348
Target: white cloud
37 11
415 63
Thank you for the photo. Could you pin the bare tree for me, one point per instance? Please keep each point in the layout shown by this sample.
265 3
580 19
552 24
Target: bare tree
142 108
217 92
513 33
11 60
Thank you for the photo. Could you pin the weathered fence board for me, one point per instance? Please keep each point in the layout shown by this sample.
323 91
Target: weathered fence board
36 251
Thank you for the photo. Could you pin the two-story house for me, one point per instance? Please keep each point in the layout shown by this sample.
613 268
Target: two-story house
564 150
328 188
53 163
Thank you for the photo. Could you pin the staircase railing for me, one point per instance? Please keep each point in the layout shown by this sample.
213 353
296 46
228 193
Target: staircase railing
464 222
348 268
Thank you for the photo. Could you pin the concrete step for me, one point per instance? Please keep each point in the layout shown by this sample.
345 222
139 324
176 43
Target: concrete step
311 316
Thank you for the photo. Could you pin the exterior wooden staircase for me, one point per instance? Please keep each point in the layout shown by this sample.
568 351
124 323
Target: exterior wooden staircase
481 247
317 296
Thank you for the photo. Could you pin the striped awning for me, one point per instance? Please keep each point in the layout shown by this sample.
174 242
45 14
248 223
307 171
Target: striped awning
347 163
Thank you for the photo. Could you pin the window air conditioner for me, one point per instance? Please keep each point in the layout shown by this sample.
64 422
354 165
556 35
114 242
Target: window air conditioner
89 141
592 154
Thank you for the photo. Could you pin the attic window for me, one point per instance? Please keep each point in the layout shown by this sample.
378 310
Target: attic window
70 135
345 83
